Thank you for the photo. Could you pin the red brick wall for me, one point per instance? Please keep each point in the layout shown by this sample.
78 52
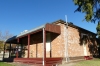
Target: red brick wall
57 44
36 48
75 49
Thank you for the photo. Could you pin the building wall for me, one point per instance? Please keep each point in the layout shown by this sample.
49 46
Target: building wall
36 46
92 47
57 44
75 48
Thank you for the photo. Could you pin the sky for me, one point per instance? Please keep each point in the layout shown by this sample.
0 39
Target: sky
19 15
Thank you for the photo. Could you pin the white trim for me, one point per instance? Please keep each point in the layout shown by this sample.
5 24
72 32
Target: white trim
66 39
43 46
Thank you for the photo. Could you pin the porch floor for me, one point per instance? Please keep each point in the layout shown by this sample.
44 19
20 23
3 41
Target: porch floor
35 61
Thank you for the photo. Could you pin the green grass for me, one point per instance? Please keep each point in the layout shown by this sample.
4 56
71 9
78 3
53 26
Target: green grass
94 62
5 64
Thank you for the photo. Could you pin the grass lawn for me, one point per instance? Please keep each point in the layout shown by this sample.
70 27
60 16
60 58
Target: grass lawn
5 64
94 62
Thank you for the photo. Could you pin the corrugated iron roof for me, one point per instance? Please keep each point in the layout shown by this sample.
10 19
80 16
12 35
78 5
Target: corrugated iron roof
72 25
25 33
32 30
43 26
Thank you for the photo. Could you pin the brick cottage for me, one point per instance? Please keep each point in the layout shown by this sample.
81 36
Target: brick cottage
57 40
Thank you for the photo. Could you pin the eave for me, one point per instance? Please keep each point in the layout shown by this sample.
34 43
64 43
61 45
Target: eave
48 27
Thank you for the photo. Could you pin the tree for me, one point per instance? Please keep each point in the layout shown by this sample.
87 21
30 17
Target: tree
98 29
1 45
4 36
91 8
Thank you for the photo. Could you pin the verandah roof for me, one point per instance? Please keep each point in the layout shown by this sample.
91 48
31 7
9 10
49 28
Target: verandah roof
30 31
48 27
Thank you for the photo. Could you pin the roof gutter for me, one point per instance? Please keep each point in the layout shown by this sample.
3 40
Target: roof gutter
26 33
30 31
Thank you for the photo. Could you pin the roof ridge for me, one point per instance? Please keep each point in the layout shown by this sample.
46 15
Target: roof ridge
70 24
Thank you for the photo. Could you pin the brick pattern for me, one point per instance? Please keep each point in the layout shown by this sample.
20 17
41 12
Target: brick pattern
57 44
75 49
36 46
37 43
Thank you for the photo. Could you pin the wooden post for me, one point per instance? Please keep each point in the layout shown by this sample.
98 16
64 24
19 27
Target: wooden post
4 50
10 51
28 44
17 48
21 49
44 47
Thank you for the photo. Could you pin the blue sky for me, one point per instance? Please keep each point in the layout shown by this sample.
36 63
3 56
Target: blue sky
19 15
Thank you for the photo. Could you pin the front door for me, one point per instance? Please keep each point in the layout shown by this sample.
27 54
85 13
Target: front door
84 49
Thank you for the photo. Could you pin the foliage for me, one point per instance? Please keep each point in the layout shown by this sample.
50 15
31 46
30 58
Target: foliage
7 46
91 8
98 29
1 45
4 36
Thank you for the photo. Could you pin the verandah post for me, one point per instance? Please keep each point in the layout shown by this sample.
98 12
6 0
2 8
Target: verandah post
4 50
10 48
28 44
17 48
44 47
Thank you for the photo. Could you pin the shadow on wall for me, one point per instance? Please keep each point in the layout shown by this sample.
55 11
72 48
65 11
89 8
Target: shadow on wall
36 40
93 49
98 43
90 39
